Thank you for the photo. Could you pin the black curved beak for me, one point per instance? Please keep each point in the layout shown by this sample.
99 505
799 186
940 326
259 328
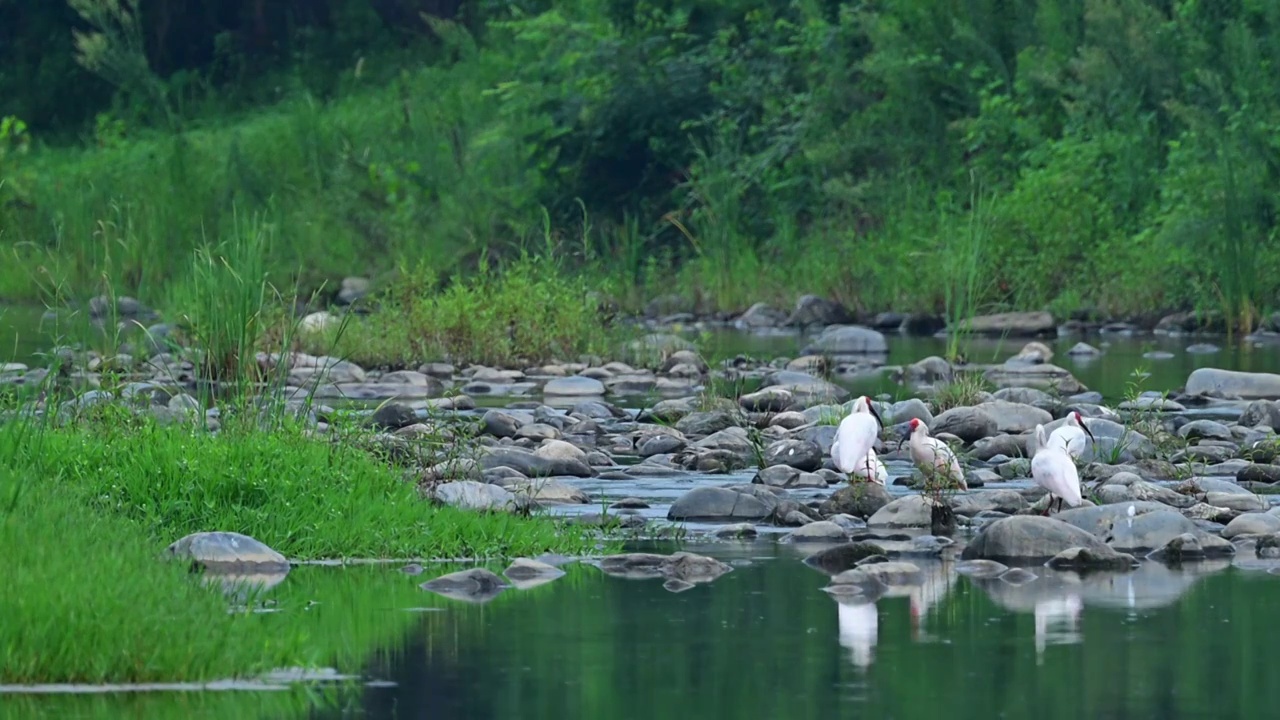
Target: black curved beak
1088 432
875 414
902 436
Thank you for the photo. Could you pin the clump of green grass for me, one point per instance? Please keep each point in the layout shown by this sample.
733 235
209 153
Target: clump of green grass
528 311
305 498
221 303
964 390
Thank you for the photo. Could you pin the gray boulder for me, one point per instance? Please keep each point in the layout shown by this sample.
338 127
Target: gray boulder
1231 383
967 423
717 503
861 500
1043 376
227 550
909 511
1013 324
1027 538
800 454
1015 418
847 340
476 585
575 386
472 495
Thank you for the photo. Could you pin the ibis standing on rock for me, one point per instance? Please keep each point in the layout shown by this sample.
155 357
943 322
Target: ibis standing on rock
1069 437
1054 470
934 458
853 451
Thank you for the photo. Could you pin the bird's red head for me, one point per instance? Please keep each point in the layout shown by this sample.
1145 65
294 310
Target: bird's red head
915 423
1079 418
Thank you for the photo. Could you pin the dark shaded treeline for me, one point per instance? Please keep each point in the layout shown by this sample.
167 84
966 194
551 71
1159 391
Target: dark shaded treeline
228 41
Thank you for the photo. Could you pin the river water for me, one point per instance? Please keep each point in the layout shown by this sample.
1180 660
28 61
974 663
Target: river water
764 641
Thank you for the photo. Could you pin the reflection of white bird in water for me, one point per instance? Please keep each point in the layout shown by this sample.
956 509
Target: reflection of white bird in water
1057 612
854 446
1130 513
1054 470
859 629
936 585
933 457
1070 436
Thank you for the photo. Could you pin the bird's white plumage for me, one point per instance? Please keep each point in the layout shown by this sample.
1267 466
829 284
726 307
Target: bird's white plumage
872 469
1054 470
1069 437
853 451
934 457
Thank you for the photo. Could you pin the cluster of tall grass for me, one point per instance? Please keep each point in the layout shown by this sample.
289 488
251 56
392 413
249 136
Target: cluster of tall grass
726 154
527 310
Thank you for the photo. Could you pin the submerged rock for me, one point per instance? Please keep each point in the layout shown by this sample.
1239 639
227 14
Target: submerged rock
682 566
981 569
873 576
525 573
476 585
219 550
827 531
837 559
1078 558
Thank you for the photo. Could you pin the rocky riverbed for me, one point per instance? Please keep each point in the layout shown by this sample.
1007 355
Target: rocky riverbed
1169 477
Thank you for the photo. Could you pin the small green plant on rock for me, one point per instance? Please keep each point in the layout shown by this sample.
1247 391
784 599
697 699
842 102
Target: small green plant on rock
964 390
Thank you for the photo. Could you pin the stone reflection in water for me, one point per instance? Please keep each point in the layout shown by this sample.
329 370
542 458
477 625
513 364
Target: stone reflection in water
242 586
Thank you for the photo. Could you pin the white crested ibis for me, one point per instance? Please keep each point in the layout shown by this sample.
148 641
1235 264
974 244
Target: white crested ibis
853 451
1069 437
1054 470
934 457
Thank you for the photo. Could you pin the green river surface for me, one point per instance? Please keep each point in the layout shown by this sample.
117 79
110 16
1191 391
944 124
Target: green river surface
764 641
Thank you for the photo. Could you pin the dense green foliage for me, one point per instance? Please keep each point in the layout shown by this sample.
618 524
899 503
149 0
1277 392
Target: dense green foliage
1118 154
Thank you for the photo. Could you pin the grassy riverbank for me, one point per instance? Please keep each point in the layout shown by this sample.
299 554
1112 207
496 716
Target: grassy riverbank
87 509
960 159
306 498
87 600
